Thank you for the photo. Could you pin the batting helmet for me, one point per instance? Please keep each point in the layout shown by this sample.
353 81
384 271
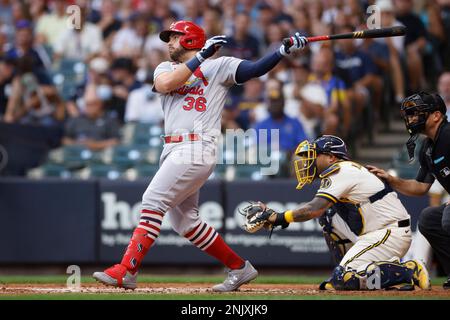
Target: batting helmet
193 37
305 166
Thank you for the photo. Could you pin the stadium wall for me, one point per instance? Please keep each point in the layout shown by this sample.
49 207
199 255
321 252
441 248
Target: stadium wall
91 221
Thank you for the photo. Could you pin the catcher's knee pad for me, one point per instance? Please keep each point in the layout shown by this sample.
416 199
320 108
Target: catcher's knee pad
385 274
342 279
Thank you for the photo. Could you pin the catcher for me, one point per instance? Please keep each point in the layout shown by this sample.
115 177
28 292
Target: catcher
364 223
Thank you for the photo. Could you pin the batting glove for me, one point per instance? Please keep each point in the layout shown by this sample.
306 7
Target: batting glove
210 48
297 42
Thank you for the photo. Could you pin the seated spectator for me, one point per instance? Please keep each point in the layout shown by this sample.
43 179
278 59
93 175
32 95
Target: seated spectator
97 76
6 78
290 130
444 90
123 76
415 42
23 47
337 109
358 71
242 44
82 43
50 26
213 22
109 22
396 48
241 111
93 129
144 105
32 101
130 40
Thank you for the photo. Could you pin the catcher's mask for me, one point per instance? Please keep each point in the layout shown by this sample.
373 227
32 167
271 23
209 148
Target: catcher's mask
415 111
305 166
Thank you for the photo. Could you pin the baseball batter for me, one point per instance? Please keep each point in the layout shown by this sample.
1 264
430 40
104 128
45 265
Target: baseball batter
365 225
193 89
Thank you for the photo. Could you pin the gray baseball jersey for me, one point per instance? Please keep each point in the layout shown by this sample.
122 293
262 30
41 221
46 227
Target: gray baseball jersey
197 105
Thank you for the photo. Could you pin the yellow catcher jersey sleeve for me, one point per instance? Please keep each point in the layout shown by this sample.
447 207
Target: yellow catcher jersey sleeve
336 185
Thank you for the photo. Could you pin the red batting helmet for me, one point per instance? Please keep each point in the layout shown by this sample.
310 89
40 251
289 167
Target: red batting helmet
193 36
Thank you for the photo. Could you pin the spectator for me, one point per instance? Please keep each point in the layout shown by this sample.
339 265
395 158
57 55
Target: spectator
129 41
109 22
38 9
153 42
124 81
444 9
24 47
358 71
213 22
274 36
49 27
97 76
337 109
4 43
395 46
242 44
444 90
290 130
82 43
250 101
6 78
32 101
93 128
415 42
280 16
144 105
6 17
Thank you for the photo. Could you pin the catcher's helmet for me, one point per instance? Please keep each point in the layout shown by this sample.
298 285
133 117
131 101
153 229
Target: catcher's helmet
415 110
193 36
305 166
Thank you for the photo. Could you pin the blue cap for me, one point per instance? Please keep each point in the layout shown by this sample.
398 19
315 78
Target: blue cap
23 24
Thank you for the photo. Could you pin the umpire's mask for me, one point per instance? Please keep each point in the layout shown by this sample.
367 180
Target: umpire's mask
415 110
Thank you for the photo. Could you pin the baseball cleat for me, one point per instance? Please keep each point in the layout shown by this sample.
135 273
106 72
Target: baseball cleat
421 277
117 276
237 278
446 284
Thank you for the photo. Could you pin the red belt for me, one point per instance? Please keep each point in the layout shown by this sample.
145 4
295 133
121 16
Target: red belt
181 138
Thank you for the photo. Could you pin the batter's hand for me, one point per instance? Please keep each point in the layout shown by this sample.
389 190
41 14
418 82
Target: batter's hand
380 173
298 42
210 48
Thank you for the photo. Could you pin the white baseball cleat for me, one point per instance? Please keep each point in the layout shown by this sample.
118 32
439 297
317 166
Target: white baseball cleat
237 278
117 276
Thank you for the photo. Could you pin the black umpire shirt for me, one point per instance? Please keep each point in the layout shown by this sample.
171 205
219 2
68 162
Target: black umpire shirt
434 158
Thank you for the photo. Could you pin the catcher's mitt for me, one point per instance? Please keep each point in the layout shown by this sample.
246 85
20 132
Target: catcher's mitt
257 216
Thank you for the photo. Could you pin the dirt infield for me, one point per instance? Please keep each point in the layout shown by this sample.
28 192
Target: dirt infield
193 289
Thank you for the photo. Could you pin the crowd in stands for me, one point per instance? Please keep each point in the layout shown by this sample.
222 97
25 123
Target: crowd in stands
94 79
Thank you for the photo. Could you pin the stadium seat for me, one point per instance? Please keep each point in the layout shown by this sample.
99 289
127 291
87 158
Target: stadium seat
101 171
50 170
246 171
126 156
77 156
143 171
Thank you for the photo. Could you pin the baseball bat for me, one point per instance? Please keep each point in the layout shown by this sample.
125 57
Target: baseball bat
362 34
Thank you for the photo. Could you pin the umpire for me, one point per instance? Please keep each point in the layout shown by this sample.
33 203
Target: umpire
424 113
